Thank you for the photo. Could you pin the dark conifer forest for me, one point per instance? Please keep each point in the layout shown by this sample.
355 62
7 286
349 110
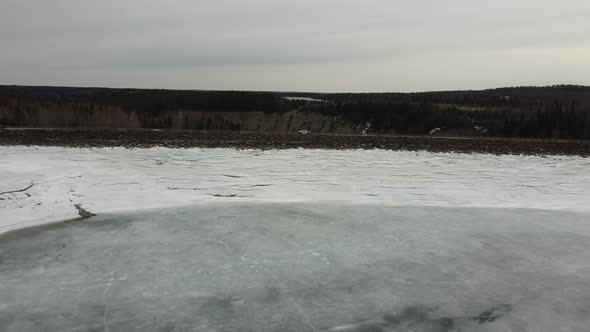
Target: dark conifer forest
561 112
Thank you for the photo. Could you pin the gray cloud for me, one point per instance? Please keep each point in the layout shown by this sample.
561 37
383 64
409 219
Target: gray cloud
156 43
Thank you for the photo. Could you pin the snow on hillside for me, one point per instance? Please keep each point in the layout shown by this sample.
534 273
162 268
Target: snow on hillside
43 184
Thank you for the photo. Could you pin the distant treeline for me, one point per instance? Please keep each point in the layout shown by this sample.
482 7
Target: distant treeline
554 120
144 100
540 112
514 96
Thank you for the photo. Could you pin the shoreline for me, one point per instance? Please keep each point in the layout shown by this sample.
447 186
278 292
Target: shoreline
147 138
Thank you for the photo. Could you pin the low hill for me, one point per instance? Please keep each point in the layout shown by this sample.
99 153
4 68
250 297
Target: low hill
541 112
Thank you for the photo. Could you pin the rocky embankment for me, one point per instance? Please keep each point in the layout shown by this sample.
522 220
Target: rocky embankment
277 140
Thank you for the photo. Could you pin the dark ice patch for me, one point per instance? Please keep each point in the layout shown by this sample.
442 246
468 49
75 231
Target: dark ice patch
492 314
421 319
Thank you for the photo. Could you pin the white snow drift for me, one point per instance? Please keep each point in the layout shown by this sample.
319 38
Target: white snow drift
105 180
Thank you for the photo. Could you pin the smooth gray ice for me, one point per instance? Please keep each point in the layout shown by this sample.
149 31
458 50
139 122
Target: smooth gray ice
298 267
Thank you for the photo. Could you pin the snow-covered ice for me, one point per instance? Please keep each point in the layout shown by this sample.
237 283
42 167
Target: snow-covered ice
105 180
292 240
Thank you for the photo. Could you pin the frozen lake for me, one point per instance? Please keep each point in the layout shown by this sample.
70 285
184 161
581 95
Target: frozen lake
300 267
115 180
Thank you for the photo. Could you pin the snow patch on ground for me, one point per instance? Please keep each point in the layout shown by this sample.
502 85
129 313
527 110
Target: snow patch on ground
105 180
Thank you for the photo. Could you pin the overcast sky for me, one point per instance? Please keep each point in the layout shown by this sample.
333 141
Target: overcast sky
303 45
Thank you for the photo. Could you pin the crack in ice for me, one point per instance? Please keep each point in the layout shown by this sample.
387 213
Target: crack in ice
105 307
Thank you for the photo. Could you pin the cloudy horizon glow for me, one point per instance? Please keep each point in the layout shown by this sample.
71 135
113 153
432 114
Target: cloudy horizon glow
305 45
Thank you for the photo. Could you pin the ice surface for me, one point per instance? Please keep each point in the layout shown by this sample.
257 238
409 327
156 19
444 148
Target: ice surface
300 267
292 240
104 180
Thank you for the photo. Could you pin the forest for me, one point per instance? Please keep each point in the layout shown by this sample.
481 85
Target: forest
561 111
